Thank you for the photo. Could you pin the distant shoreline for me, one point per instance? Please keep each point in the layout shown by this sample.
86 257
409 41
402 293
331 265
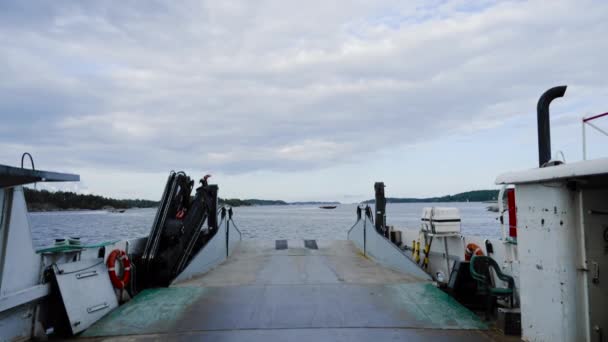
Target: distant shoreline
43 200
235 202
468 196
56 210
59 210
46 201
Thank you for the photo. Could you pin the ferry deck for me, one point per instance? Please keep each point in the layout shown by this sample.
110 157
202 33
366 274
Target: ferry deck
295 291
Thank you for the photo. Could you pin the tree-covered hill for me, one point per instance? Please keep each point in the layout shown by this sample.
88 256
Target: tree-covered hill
469 196
235 202
254 201
43 200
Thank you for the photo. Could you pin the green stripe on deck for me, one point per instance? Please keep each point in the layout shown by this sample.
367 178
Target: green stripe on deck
151 311
267 307
439 309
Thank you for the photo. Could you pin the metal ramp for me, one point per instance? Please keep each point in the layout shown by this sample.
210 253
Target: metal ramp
263 293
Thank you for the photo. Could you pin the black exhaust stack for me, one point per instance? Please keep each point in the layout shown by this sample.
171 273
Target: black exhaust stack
544 128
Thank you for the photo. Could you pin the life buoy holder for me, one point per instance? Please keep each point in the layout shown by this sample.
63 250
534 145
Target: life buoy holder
470 250
120 256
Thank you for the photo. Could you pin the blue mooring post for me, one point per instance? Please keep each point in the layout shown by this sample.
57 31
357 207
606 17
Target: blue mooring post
380 208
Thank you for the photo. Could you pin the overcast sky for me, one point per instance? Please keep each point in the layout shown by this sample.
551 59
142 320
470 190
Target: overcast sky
296 100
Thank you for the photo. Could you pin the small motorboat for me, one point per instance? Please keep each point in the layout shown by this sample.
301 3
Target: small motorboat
328 206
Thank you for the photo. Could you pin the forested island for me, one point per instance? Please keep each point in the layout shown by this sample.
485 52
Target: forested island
44 200
469 196
235 202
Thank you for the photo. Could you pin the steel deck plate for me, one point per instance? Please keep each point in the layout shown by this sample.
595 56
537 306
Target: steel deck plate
336 294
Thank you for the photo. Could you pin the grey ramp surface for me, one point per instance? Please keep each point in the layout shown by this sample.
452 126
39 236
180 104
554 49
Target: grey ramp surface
296 294
326 306
259 262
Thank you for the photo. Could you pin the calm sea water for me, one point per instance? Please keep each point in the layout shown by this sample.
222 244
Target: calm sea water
263 222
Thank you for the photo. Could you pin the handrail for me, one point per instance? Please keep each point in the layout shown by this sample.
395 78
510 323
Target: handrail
31 160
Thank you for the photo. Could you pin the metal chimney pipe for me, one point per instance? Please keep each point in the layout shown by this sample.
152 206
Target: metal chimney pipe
544 127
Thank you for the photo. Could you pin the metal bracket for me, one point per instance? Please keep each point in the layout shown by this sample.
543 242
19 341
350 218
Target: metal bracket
86 274
97 307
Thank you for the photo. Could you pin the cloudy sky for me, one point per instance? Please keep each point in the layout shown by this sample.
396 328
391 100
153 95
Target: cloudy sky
296 100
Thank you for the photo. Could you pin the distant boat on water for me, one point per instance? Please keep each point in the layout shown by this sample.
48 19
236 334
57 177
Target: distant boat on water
328 206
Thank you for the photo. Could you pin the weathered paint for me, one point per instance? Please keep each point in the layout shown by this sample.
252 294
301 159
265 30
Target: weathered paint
547 240
439 308
183 309
19 266
152 311
264 289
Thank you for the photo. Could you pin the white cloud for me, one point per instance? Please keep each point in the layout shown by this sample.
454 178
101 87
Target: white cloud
277 85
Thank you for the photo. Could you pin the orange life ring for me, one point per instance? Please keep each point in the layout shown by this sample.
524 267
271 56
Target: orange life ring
121 256
470 250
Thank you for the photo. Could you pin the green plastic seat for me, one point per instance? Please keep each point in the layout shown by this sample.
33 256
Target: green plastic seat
479 268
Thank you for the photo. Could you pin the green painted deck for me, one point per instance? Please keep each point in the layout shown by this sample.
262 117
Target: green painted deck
260 293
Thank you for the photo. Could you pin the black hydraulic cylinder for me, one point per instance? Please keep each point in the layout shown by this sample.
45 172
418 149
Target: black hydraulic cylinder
544 127
380 207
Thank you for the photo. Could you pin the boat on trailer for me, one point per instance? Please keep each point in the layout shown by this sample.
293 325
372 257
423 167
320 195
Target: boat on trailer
193 277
